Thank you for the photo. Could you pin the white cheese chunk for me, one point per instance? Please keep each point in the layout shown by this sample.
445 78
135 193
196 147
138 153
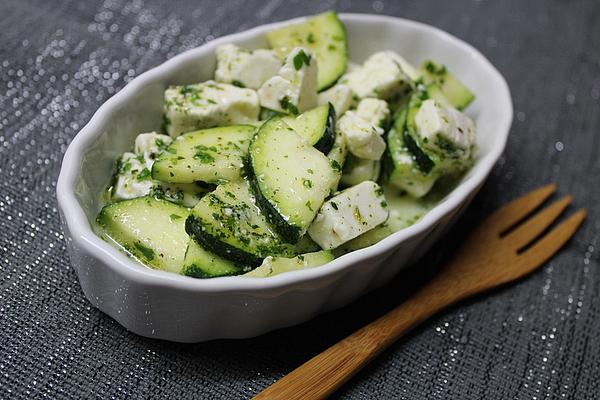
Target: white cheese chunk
357 170
149 145
352 66
380 76
294 89
409 70
349 214
445 129
374 111
340 97
364 140
208 104
245 68
133 178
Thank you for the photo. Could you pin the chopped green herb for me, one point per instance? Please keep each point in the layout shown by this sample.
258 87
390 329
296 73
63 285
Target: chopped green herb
335 165
144 174
357 215
174 217
185 90
307 183
146 252
160 144
238 84
203 154
288 106
300 59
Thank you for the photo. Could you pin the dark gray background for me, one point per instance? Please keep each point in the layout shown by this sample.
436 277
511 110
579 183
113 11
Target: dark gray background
538 339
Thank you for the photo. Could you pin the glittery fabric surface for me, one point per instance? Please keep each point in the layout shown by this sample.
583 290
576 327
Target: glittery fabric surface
59 60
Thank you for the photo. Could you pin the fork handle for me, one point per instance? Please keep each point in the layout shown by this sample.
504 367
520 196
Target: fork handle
323 374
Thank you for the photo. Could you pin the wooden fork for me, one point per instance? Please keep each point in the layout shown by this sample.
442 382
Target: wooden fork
492 255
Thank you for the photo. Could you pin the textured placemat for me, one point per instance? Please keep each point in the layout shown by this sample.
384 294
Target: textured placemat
59 60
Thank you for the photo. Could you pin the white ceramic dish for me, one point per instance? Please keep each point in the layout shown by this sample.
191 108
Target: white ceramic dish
172 307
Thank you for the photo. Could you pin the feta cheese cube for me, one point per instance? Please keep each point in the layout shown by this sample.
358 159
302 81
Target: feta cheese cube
149 145
340 96
374 111
352 66
294 89
380 76
445 129
364 140
408 69
245 68
349 214
357 170
134 178
208 104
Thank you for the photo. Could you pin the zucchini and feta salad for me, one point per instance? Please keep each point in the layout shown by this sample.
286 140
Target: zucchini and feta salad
289 157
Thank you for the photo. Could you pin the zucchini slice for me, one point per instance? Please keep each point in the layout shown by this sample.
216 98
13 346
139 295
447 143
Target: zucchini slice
149 229
325 35
455 92
290 178
276 265
209 155
199 263
316 125
407 166
228 223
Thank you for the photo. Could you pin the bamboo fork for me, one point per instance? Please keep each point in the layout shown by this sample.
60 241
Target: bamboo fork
508 245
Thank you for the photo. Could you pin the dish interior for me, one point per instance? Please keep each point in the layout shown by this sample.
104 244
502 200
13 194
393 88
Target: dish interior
138 108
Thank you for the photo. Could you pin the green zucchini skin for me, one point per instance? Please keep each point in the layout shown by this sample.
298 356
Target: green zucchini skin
317 126
288 232
289 178
202 264
325 144
194 228
229 224
405 165
422 160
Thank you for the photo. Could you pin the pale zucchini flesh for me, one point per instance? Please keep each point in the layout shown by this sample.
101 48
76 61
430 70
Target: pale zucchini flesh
317 126
325 35
276 265
151 230
290 178
228 223
200 263
454 91
209 155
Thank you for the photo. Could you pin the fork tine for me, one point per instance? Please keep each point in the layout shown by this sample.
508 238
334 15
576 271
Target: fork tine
545 248
516 210
534 226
